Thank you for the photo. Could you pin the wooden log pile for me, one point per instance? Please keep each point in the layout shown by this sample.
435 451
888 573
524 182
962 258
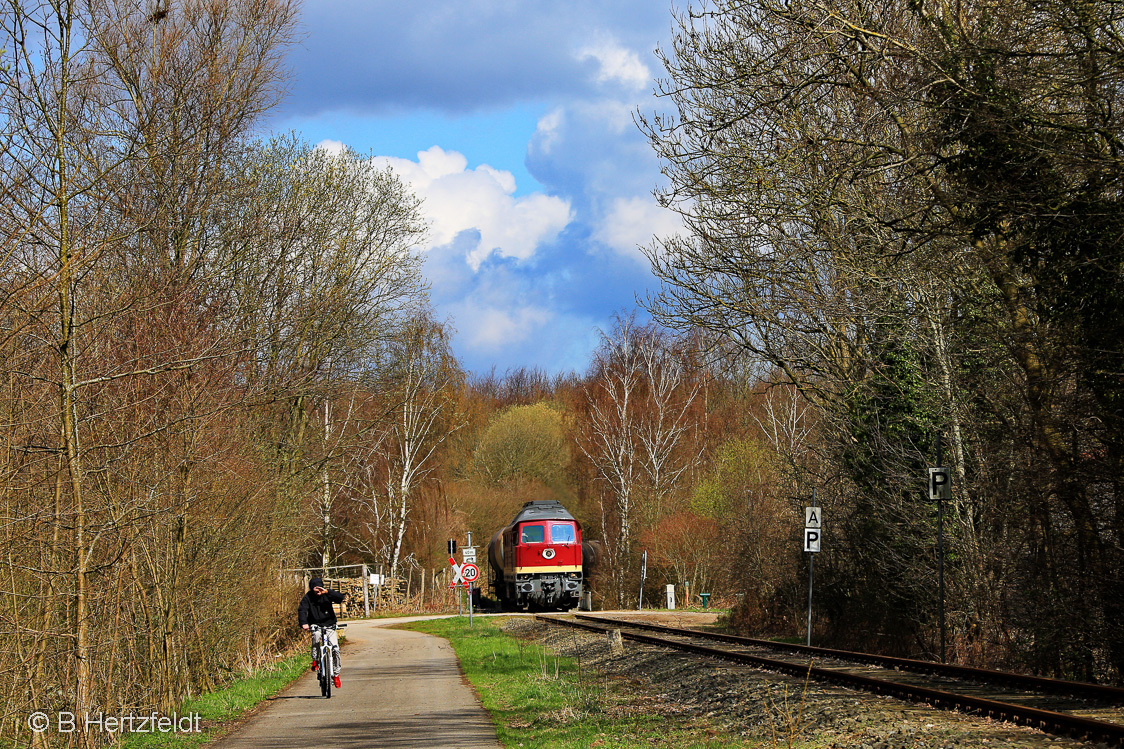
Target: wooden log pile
378 596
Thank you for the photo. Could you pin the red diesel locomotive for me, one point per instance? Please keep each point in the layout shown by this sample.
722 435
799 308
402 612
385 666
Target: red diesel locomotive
539 559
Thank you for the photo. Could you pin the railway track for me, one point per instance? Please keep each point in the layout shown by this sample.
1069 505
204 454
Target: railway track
940 685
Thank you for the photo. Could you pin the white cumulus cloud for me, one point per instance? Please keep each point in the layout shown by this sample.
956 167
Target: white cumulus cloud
547 129
493 327
334 147
458 199
616 63
631 223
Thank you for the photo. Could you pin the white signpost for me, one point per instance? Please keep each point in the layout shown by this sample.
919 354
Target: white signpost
468 554
464 574
813 528
643 577
940 489
813 525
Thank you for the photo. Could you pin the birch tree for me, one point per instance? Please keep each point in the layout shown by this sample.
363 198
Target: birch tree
639 409
422 379
324 270
668 431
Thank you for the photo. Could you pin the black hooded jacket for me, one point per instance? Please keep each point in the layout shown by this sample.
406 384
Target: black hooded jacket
317 609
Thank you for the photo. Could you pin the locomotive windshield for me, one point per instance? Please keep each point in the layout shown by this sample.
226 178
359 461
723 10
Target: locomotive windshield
533 534
562 534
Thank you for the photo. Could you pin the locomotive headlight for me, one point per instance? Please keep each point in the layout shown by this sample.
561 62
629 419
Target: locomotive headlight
548 553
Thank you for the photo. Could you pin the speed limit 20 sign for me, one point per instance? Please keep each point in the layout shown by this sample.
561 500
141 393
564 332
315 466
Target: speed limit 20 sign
470 572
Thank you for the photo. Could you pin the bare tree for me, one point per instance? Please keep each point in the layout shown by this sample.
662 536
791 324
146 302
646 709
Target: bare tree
639 401
670 418
123 360
838 165
422 379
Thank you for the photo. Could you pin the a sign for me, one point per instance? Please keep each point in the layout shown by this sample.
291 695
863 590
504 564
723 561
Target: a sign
813 527
458 578
468 554
940 483
452 547
813 517
470 572
671 597
378 579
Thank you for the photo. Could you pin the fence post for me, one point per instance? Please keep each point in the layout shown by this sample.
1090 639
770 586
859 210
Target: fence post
366 601
378 588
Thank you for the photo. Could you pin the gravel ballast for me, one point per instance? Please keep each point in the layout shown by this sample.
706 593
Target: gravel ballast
776 709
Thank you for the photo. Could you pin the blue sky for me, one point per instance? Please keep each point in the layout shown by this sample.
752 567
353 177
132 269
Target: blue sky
514 122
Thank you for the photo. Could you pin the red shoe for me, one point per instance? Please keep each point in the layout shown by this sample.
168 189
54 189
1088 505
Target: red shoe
315 665
336 681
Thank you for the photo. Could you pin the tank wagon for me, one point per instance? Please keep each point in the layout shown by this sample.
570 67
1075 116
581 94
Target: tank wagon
539 559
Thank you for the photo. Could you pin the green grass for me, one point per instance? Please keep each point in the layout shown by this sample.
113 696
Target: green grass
538 699
219 709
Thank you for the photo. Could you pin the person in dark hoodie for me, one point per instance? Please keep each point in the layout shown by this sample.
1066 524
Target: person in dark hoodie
316 608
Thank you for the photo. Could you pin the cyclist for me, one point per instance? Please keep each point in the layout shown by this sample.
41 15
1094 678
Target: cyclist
316 608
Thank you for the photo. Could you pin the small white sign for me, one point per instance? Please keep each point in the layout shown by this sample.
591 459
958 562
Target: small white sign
378 579
671 597
811 539
468 554
813 517
940 483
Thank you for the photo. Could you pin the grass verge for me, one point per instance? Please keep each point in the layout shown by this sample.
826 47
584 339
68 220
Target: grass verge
538 699
219 710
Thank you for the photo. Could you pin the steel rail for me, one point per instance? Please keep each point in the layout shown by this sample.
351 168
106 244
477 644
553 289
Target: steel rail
982 675
1045 720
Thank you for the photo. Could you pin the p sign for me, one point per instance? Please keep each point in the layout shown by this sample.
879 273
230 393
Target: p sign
811 539
940 483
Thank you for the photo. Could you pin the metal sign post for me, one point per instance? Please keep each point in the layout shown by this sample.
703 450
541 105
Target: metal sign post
470 573
940 489
464 574
813 527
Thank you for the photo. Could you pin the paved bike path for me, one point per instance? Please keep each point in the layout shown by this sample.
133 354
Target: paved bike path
400 690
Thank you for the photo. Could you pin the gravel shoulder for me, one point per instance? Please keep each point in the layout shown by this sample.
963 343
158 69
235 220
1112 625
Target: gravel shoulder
776 709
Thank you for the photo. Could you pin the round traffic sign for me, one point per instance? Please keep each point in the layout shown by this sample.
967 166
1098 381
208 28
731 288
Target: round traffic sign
470 572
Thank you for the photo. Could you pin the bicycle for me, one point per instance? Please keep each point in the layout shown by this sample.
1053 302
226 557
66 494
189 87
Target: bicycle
325 656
